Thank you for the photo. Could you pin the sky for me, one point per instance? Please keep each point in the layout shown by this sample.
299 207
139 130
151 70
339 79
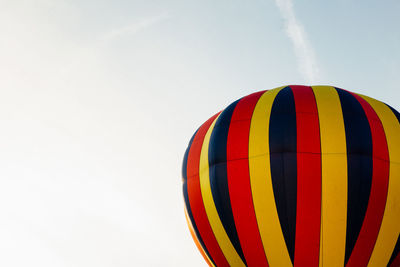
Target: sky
98 101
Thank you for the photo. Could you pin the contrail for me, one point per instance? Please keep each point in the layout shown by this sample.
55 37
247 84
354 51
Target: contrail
306 60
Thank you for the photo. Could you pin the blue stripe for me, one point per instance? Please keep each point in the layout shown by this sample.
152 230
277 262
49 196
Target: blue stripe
283 149
219 177
396 249
186 199
359 166
396 113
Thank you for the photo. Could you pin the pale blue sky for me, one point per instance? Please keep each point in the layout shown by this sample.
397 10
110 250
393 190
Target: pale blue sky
98 100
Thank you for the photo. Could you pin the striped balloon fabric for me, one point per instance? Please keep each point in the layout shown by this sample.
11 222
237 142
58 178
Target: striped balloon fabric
296 176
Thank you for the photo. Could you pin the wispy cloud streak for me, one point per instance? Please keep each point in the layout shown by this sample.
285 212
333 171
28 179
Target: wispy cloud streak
134 27
306 58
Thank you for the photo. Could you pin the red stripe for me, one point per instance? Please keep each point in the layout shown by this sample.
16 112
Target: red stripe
380 178
239 181
196 200
396 262
308 217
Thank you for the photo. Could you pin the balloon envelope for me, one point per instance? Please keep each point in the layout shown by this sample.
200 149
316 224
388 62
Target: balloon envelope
296 175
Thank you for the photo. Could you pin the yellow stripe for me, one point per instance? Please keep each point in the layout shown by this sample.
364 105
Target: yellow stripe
261 183
334 177
196 241
223 240
390 227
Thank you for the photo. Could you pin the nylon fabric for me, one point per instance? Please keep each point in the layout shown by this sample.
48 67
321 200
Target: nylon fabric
380 177
296 176
308 217
218 229
197 241
283 157
193 228
261 183
188 211
359 165
396 262
395 258
334 177
390 226
196 200
239 181
219 177
395 254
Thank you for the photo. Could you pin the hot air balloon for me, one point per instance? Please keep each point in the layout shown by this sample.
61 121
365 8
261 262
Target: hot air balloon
296 176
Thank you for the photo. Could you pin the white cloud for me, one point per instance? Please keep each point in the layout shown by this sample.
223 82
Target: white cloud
306 59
